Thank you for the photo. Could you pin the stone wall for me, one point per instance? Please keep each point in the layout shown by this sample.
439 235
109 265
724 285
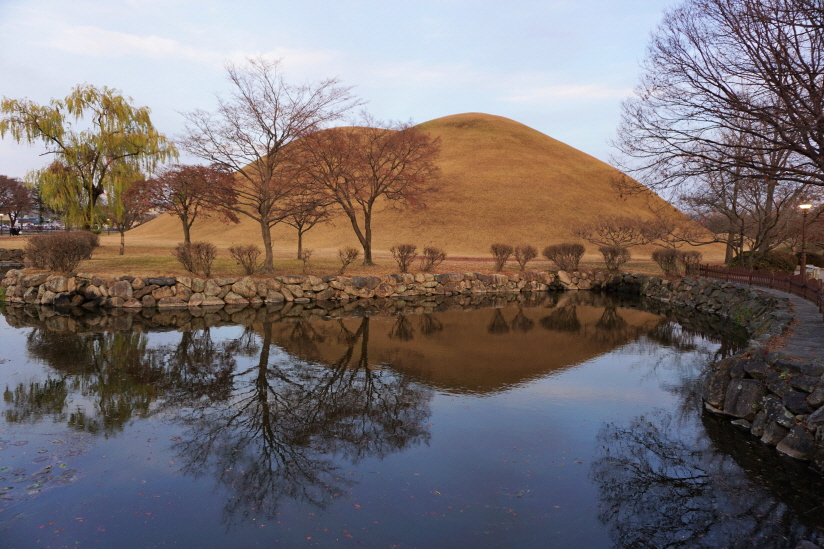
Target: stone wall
89 291
13 255
768 393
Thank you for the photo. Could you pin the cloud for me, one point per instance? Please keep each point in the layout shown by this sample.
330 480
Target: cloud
97 42
568 91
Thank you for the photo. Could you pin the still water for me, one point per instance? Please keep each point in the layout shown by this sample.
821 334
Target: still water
567 420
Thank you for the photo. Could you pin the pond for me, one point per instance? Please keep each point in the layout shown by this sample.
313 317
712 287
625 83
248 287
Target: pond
551 420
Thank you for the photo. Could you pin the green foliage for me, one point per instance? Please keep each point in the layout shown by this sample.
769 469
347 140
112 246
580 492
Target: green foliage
60 252
88 157
770 261
196 257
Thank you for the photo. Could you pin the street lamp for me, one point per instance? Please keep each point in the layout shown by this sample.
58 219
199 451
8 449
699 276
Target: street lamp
804 209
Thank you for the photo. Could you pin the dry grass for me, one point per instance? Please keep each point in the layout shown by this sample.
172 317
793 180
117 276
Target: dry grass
157 260
502 182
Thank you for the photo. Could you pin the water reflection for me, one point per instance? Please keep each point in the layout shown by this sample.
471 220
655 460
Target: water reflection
272 409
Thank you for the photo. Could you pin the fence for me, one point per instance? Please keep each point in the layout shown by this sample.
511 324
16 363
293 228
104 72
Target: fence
812 290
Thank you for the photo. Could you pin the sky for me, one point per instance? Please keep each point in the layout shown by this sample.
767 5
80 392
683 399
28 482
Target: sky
559 66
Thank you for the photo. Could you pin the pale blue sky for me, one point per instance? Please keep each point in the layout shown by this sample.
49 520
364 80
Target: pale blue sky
561 67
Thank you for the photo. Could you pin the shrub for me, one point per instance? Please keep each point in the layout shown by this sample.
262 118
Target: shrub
431 258
690 261
247 257
93 239
525 254
667 259
59 252
614 257
500 253
770 261
347 255
196 257
566 256
404 255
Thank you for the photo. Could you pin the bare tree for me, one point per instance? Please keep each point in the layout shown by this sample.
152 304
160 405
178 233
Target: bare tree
192 192
15 199
375 164
308 210
714 68
250 134
619 231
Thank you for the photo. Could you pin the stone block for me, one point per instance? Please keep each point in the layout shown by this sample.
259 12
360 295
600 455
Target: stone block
798 444
743 398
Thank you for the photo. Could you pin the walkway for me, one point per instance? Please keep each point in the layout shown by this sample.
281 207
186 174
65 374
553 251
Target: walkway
806 341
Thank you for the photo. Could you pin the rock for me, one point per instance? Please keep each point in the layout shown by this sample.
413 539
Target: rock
211 288
383 289
122 289
58 284
91 293
235 299
796 402
325 295
148 301
146 290
35 280
183 292
198 284
776 383
195 300
162 281
170 302
806 545
798 444
294 289
774 433
743 398
138 284
212 301
815 420
807 384
163 292
758 424
287 295
816 399
225 281
245 287
756 369
715 387
273 296
185 281
132 303
777 412
291 280
742 424
359 282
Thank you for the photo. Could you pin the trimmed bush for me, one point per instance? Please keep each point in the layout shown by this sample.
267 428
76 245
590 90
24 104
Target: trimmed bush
525 254
668 260
60 252
566 256
247 257
690 261
431 258
93 239
614 257
196 257
770 261
500 253
347 255
404 255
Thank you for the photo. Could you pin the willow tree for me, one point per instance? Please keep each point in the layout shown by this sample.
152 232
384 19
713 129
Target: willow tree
92 134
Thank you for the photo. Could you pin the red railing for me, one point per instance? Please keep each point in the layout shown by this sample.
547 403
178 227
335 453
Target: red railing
812 290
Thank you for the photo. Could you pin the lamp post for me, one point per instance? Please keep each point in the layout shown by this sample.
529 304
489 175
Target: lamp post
803 271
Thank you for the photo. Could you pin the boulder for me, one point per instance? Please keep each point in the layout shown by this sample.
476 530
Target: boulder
777 412
773 433
122 289
743 398
170 302
245 287
163 292
798 444
796 402
212 288
235 299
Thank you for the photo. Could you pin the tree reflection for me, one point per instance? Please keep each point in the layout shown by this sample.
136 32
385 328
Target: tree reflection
402 329
288 424
498 325
430 324
659 491
521 323
562 319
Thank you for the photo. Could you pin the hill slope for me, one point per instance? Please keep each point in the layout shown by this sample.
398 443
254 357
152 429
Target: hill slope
502 182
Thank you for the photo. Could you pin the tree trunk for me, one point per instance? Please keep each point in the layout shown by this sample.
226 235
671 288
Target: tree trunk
269 260
187 239
122 242
367 243
300 244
